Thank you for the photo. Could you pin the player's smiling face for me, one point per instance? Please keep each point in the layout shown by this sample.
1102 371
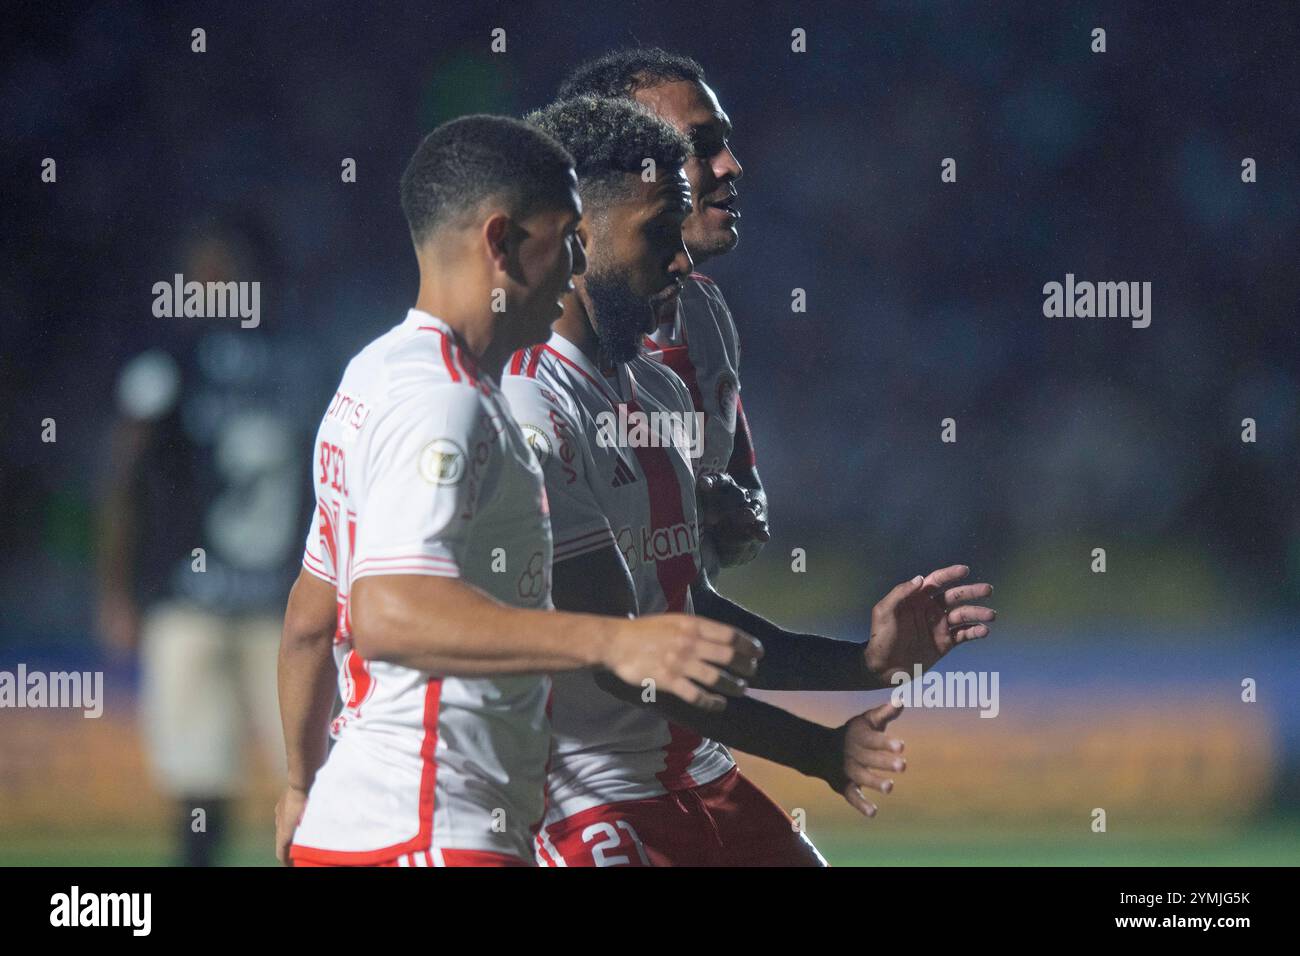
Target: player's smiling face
549 256
712 169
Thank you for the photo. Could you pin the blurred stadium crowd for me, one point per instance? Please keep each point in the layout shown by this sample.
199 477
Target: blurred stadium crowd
924 299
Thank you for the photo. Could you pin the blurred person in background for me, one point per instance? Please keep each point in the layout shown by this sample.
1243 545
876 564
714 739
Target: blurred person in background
198 540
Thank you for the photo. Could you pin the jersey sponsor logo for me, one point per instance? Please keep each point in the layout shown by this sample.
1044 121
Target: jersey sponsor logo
565 452
642 546
534 583
538 442
348 410
442 462
477 468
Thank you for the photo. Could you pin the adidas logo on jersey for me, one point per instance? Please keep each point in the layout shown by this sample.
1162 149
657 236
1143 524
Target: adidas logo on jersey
623 475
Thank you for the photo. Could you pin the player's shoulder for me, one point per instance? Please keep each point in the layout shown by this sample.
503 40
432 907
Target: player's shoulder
411 375
704 290
533 382
661 382
705 311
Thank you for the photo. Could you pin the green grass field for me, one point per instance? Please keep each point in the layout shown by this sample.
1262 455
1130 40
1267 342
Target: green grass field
1275 842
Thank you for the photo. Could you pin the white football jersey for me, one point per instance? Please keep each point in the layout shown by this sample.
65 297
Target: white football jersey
700 344
642 499
420 469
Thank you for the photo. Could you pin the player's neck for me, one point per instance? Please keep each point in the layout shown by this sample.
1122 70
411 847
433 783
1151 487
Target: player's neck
474 327
575 325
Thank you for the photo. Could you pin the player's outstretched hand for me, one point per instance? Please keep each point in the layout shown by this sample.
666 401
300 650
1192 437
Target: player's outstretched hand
921 620
700 661
288 814
871 757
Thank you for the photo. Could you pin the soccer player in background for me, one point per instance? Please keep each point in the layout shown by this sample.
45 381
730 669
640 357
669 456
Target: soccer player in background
427 567
639 780
695 335
199 536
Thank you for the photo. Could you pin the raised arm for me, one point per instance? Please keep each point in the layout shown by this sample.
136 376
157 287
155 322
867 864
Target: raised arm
848 757
917 622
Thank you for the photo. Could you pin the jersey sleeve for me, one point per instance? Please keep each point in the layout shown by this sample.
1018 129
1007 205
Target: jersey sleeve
743 456
727 336
317 557
431 460
557 439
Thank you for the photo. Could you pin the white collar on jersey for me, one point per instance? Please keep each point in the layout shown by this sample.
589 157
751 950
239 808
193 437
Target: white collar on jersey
626 383
416 318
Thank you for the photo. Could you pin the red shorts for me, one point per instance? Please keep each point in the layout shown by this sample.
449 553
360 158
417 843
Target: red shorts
440 858
729 822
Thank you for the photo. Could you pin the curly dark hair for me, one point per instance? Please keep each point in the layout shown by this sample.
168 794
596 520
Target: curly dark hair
468 160
609 138
623 72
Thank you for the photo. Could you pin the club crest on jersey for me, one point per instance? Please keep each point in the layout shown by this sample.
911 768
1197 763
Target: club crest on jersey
538 442
442 462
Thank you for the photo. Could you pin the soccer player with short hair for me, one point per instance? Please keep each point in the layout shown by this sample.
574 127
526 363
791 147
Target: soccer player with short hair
696 336
427 567
637 779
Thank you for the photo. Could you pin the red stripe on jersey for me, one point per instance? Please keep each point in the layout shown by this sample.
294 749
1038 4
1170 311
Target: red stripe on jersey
447 359
533 359
359 679
517 362
468 365
675 576
678 358
600 386
428 785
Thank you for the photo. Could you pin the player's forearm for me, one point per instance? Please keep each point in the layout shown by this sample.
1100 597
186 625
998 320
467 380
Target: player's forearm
790 661
307 679
447 627
756 728
306 675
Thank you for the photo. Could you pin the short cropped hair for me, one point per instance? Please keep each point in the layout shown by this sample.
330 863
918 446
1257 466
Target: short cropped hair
468 160
609 138
623 72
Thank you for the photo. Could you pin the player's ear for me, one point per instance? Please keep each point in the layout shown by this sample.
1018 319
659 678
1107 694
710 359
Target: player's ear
505 238
502 246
